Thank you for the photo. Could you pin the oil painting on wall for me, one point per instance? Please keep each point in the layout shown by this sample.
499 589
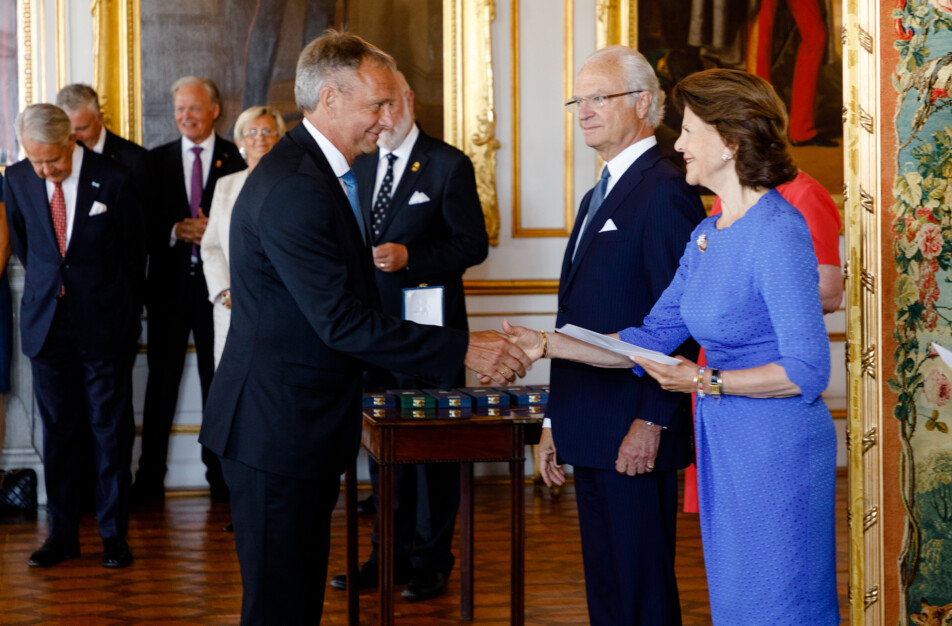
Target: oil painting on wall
918 241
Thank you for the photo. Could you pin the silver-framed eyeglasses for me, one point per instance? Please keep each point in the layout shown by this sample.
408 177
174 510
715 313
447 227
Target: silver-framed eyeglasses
597 101
264 132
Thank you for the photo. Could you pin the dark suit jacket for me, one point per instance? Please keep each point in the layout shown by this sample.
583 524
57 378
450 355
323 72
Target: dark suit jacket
286 397
443 235
612 284
130 154
103 262
167 203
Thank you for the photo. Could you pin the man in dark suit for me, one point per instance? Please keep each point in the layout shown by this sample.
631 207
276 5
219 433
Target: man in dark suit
624 436
183 175
76 229
81 103
418 196
285 405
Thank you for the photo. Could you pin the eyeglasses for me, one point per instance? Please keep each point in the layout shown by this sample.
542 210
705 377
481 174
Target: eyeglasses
597 101
264 132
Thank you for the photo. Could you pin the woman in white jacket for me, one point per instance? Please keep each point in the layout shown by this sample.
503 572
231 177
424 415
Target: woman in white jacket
256 131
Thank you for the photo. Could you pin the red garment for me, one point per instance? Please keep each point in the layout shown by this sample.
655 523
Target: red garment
823 220
809 19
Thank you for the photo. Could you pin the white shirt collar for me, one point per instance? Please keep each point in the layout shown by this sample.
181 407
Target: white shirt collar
624 159
101 142
406 146
208 145
334 156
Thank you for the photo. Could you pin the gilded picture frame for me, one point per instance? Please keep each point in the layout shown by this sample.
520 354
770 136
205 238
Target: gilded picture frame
469 113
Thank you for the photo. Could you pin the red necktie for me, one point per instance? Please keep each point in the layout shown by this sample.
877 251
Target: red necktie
58 211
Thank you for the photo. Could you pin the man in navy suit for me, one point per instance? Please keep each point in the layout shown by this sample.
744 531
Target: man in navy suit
76 229
183 175
624 435
81 103
284 411
418 197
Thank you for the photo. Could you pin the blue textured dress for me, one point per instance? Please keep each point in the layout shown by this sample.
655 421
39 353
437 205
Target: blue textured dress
766 467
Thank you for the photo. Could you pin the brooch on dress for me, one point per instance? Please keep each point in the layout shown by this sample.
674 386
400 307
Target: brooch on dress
702 242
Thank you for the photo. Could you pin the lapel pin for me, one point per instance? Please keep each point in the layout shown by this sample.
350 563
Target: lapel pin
702 242
416 166
218 163
95 184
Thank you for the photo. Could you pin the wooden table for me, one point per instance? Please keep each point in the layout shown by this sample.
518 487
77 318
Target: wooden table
392 439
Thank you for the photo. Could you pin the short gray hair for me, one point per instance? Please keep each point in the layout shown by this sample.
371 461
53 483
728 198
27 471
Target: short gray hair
209 85
639 76
326 59
253 113
77 96
45 123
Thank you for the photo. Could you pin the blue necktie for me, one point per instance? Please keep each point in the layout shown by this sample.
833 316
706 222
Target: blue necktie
350 183
594 203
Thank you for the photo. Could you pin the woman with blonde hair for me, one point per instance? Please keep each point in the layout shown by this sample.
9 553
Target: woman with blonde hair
257 129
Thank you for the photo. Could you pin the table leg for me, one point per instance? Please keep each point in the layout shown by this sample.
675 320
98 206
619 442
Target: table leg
385 549
518 530
350 506
466 540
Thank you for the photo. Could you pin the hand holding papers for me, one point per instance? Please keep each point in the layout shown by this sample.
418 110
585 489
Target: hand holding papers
614 345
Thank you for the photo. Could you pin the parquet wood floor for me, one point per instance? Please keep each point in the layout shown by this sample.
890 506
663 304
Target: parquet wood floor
186 571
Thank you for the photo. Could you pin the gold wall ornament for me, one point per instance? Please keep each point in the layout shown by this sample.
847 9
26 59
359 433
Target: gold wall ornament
866 200
865 40
871 518
871 596
29 52
117 73
469 119
869 440
865 120
616 23
868 281
869 361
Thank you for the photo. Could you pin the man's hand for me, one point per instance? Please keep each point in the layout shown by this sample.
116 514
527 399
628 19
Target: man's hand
552 472
192 229
390 257
493 357
637 452
529 340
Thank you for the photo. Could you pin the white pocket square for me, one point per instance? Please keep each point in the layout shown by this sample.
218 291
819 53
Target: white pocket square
608 227
98 208
419 197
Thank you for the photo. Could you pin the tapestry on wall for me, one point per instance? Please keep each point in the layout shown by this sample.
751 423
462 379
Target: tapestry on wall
921 238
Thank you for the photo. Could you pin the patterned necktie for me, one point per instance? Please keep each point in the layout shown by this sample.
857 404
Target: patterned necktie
350 184
384 196
58 212
594 203
195 201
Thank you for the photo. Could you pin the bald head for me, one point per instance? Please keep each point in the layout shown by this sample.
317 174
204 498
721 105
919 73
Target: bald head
403 117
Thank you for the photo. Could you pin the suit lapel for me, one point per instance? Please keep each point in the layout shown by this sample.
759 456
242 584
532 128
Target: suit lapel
412 171
86 192
177 176
366 177
618 196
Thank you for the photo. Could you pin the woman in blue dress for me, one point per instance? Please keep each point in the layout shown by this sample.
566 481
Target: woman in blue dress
747 291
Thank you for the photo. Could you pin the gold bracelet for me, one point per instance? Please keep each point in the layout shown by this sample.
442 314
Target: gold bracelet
545 344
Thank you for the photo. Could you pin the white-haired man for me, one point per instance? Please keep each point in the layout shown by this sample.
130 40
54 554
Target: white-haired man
76 228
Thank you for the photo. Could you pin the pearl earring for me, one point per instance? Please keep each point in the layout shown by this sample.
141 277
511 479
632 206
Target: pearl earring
726 157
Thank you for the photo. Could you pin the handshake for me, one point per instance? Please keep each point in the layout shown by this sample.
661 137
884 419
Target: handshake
501 357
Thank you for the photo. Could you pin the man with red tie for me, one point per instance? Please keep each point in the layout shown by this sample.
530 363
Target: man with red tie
76 228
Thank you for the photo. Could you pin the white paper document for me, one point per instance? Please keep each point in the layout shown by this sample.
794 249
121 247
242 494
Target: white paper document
423 305
943 353
614 345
